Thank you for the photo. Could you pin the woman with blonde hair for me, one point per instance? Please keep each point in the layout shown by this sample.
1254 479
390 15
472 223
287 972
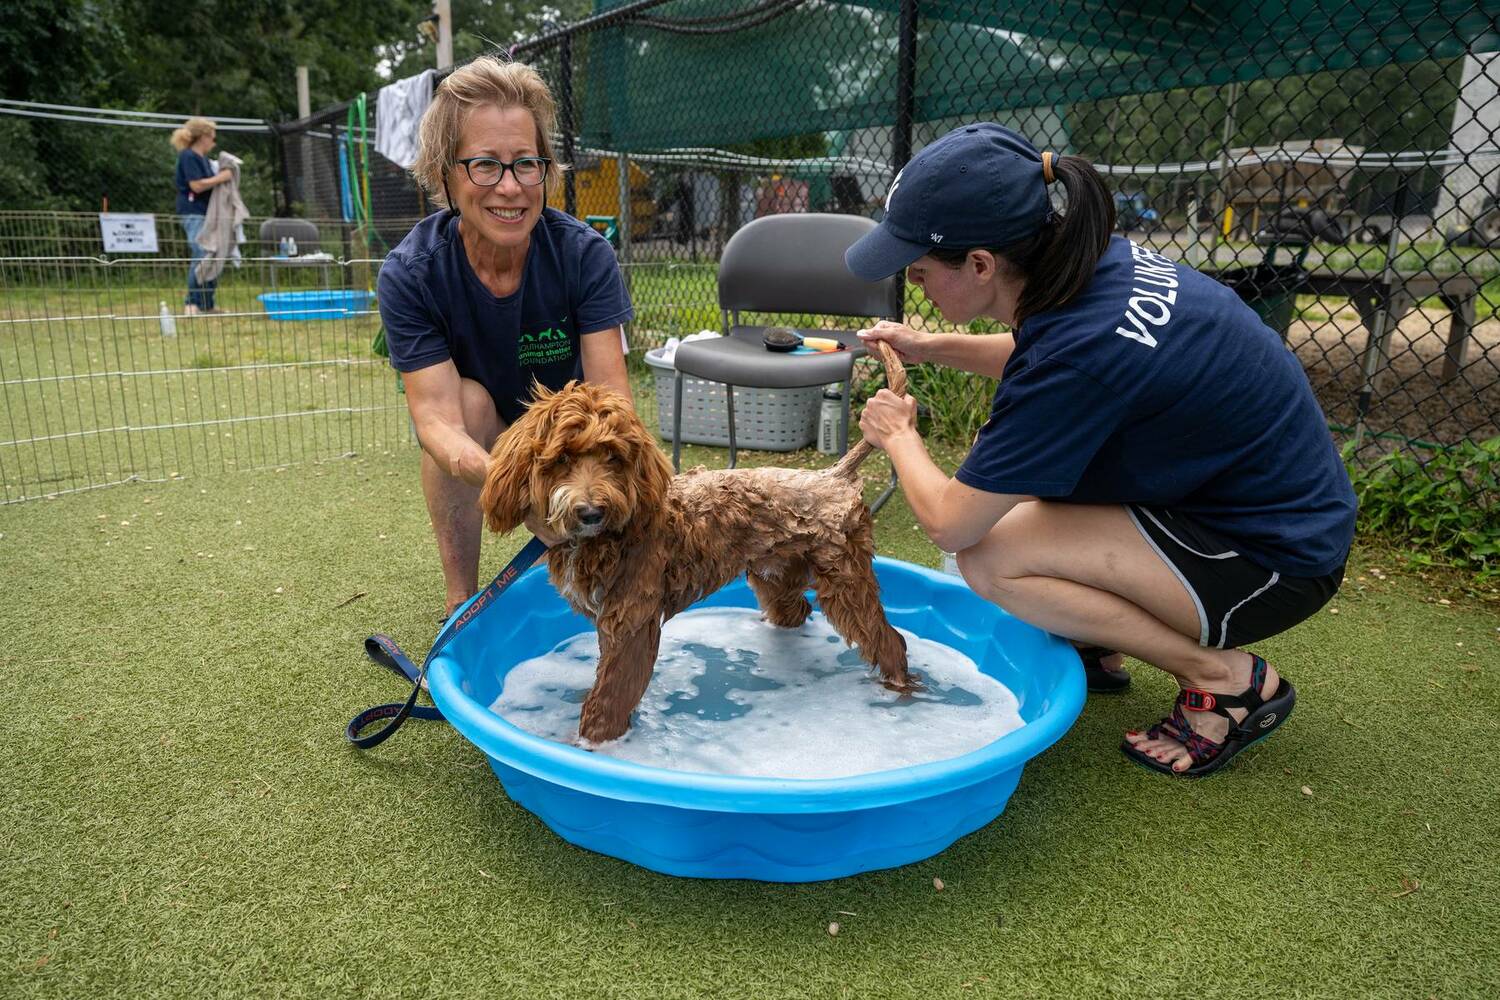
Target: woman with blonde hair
493 295
194 179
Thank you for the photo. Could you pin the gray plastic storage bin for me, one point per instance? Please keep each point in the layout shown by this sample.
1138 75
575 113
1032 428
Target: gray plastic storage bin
764 419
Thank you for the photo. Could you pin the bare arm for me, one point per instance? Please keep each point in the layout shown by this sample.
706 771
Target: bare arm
603 360
434 395
982 354
202 184
953 515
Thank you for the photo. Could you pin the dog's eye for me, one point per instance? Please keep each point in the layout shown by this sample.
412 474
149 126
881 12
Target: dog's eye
560 462
616 461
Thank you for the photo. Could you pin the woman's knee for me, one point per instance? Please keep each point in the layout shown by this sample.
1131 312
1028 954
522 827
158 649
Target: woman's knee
481 417
1004 552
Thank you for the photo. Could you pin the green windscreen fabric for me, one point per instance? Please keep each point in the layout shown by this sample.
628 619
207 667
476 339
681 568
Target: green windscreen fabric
673 77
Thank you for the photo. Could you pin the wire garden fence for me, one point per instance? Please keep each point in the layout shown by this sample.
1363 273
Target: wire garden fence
103 380
1334 160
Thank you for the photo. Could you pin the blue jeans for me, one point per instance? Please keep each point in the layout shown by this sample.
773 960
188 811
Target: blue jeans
198 294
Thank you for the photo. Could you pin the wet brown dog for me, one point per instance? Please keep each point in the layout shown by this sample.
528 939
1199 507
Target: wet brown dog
642 545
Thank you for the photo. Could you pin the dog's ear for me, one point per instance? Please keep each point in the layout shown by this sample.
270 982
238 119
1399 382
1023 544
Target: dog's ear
506 497
654 469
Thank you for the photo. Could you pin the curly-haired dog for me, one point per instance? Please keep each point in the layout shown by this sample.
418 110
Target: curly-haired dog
642 544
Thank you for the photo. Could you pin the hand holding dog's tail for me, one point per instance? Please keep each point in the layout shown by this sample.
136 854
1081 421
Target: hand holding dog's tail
895 379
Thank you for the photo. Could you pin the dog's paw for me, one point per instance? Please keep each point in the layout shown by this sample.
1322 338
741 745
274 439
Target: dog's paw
910 684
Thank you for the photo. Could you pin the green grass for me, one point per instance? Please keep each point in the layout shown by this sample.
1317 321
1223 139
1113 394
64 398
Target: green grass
183 818
92 392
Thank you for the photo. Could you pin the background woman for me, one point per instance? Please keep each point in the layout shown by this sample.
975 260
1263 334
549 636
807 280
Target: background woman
195 178
1155 477
493 295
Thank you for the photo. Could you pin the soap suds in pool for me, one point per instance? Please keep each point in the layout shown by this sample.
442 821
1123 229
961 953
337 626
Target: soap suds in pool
734 695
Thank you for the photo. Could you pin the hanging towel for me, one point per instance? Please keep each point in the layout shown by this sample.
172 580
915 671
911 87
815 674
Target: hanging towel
398 112
226 213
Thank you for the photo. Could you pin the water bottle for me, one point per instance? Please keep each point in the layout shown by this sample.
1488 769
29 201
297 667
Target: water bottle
291 246
830 415
168 321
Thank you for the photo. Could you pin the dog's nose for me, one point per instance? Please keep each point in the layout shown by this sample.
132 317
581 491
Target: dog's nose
588 514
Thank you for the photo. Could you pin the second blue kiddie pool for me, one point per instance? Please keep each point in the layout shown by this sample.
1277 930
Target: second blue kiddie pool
773 829
317 303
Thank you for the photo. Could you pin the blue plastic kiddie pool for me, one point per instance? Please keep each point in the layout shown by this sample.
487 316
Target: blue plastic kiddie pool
317 303
774 829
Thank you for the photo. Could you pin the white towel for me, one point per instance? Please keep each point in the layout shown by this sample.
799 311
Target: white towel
226 214
398 112
669 349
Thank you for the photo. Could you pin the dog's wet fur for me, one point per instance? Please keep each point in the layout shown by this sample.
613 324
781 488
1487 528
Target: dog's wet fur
642 544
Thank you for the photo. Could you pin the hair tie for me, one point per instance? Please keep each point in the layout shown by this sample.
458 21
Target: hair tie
1047 176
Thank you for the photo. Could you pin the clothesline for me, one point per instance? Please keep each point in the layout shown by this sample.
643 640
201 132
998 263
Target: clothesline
121 111
90 120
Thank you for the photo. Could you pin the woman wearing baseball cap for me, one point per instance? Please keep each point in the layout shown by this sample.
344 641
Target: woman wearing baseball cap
1155 478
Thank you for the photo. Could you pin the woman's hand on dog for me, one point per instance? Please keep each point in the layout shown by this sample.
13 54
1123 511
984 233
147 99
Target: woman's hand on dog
888 416
908 344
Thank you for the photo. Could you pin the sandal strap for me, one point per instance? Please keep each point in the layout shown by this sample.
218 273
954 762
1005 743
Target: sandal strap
1199 700
1176 727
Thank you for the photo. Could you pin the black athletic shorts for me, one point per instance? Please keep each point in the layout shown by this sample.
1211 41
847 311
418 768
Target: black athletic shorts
1238 600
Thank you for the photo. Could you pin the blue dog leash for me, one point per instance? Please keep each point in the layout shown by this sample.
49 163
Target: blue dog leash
384 651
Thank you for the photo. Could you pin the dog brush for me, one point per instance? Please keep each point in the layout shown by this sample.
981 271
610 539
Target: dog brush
779 338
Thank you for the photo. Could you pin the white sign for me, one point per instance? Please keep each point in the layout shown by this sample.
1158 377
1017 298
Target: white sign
127 233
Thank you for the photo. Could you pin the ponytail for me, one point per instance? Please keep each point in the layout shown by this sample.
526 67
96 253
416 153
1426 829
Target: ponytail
1058 261
192 130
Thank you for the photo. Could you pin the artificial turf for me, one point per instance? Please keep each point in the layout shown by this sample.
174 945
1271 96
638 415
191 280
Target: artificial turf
182 816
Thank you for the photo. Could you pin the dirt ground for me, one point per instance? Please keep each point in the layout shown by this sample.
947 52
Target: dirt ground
1410 397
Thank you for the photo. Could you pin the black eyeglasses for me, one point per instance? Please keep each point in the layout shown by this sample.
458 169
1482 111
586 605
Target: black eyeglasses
486 171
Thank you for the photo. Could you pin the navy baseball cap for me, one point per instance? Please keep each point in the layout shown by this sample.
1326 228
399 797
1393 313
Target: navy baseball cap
980 185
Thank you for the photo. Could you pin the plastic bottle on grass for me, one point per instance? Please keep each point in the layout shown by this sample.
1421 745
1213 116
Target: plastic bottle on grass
830 416
168 321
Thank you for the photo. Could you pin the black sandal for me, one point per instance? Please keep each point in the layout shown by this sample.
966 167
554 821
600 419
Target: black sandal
1102 679
1265 715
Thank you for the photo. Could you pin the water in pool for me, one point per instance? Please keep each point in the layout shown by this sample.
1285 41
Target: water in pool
734 695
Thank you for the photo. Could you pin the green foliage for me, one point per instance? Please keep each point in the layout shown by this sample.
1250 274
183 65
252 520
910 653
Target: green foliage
956 403
23 182
483 26
1437 503
1389 108
208 57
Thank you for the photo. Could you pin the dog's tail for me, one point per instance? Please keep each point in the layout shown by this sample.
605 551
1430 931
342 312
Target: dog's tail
895 380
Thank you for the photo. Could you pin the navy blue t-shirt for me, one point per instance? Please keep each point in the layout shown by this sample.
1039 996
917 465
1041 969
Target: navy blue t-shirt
1158 386
435 308
192 166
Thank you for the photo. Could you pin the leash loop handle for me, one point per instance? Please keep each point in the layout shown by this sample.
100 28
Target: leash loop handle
383 650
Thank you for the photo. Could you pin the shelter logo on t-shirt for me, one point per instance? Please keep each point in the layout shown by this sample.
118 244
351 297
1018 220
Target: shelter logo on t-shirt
545 347
1152 295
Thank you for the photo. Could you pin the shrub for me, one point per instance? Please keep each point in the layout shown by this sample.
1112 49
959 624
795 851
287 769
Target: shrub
1448 505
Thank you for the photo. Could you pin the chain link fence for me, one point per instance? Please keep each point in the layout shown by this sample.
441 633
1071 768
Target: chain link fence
1335 161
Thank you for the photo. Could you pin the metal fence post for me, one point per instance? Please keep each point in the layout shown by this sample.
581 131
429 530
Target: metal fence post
1216 223
565 120
906 100
622 164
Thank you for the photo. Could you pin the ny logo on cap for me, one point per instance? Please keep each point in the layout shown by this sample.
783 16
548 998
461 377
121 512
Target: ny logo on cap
894 185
